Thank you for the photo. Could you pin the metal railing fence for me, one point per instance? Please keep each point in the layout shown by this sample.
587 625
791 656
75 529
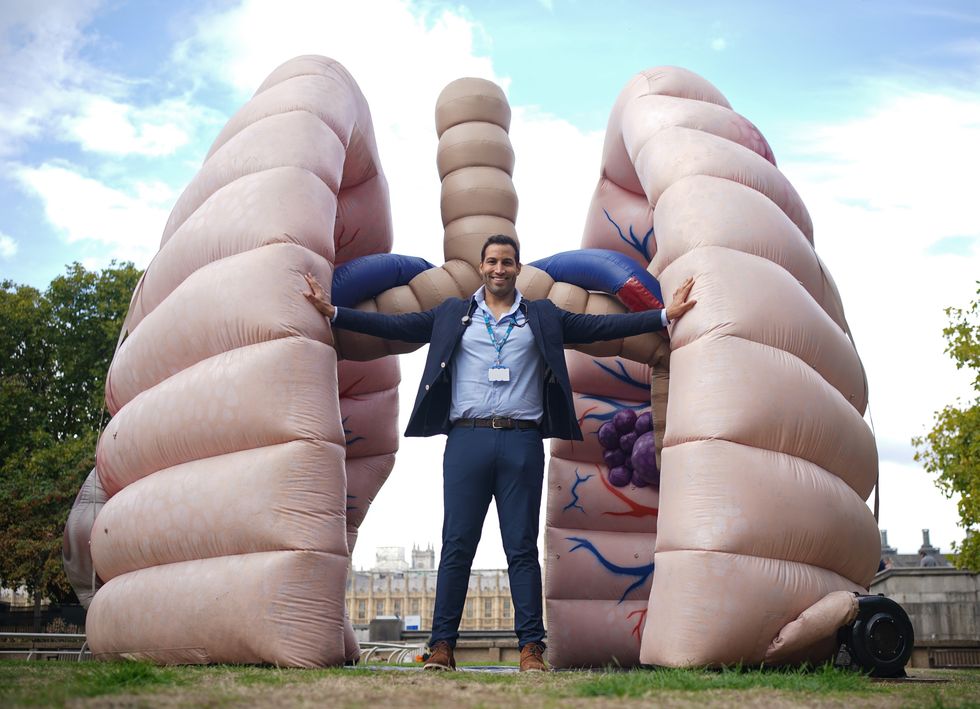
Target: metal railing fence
46 645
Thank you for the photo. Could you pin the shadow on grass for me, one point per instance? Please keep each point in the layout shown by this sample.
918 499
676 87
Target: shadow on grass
109 678
636 683
50 684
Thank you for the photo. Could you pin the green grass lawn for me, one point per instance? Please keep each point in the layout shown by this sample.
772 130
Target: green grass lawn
48 683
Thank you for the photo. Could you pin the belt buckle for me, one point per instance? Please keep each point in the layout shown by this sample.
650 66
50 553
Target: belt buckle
493 423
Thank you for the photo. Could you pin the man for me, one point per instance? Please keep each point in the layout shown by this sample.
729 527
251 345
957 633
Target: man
495 381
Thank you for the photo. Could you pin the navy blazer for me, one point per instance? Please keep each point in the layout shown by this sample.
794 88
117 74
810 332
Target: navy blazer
443 327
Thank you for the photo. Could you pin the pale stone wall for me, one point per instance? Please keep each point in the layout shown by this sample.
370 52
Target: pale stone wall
942 602
376 593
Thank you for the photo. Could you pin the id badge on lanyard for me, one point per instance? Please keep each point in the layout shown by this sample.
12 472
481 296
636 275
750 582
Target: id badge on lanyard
497 371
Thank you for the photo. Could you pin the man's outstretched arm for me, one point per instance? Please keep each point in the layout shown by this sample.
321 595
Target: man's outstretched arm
579 328
407 327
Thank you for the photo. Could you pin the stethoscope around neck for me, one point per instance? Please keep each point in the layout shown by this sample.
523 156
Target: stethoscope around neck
520 308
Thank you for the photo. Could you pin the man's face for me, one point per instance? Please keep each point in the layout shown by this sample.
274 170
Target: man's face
499 269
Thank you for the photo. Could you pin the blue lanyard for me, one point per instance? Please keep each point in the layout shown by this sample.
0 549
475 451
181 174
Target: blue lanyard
497 345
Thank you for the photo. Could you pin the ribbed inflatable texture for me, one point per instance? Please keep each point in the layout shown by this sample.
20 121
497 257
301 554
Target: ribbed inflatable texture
248 439
226 536
766 460
599 539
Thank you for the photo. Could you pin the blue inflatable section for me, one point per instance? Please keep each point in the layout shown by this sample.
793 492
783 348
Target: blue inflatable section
367 276
599 270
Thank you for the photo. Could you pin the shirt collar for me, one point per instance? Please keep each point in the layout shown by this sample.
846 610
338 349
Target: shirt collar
480 297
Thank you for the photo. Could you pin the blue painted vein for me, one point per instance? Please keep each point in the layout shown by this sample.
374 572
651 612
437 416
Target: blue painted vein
641 572
574 504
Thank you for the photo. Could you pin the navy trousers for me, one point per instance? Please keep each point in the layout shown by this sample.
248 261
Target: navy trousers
507 465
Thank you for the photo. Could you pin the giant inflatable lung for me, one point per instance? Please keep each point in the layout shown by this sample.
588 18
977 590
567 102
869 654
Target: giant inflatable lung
248 440
227 533
766 459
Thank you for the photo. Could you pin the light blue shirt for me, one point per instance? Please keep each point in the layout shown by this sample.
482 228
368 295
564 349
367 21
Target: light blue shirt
474 396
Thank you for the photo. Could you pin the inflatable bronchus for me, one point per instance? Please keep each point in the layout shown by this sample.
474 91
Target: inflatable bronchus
248 439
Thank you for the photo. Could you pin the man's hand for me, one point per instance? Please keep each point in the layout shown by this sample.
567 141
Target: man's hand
318 297
681 304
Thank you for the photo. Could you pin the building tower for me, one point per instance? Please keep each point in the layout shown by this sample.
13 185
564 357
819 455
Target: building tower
886 548
423 559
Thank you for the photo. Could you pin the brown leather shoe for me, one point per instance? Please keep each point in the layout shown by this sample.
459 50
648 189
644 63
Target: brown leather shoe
531 658
440 657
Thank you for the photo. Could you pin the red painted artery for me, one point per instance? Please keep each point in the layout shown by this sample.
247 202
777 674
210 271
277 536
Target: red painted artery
636 509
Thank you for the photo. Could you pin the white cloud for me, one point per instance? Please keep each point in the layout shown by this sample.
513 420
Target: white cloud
911 158
910 502
393 49
400 57
555 174
413 54
8 247
126 222
887 192
104 125
52 93
719 44
43 73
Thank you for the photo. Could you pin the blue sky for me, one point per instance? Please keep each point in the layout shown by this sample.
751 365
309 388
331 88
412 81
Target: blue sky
807 54
784 68
872 109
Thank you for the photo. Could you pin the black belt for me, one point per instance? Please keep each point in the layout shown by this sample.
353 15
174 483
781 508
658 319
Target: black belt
498 422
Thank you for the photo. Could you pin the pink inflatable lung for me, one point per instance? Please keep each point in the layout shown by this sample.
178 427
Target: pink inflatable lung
226 537
766 459
247 443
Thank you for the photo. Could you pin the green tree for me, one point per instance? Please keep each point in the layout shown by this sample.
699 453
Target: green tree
952 448
55 349
40 483
24 364
87 309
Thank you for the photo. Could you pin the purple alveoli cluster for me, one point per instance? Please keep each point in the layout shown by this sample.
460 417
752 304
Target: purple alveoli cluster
629 449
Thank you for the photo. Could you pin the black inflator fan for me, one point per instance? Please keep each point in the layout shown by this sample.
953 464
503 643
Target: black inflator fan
879 641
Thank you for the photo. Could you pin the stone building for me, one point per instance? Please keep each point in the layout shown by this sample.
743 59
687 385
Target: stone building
397 588
893 559
17 598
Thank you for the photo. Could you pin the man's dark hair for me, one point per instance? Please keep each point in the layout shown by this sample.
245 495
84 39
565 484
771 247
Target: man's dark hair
502 240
